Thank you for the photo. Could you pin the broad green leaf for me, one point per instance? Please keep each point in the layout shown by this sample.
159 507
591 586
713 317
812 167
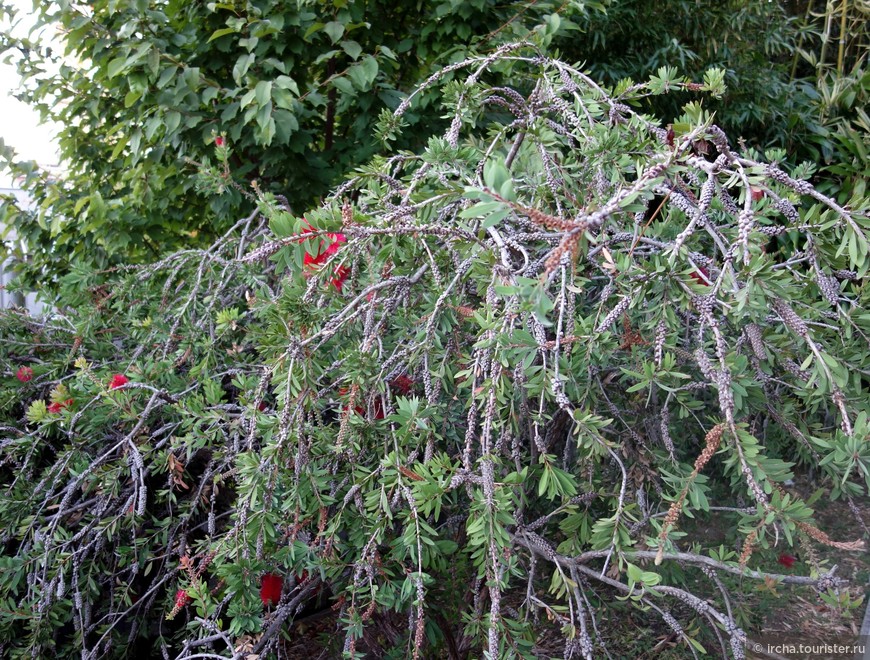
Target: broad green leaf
130 98
286 82
173 119
370 67
116 66
263 92
241 67
352 48
344 85
167 75
286 124
334 29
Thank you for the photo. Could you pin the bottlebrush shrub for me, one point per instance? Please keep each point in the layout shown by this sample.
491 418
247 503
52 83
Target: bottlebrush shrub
511 406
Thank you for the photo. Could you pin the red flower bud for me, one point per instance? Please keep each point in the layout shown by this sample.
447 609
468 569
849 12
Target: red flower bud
24 374
701 276
303 576
182 599
757 193
219 141
270 589
118 380
786 560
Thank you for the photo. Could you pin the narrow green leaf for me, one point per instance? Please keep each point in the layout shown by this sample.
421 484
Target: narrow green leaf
217 34
131 97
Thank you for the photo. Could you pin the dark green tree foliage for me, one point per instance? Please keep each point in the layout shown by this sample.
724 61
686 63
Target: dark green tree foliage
793 82
752 41
144 88
537 346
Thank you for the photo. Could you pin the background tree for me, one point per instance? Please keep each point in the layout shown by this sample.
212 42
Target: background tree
753 42
144 89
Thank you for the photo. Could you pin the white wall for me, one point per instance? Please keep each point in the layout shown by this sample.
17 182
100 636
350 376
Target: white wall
20 124
8 299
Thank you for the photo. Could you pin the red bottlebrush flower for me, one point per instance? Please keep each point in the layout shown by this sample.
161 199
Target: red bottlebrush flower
24 374
182 599
118 380
219 141
701 276
670 136
270 589
786 560
341 273
402 384
308 260
335 241
262 406
59 405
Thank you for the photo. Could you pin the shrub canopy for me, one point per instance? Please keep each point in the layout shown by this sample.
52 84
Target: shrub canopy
143 90
480 382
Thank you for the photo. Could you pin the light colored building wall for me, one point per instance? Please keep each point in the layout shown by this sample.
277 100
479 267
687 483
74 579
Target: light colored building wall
8 298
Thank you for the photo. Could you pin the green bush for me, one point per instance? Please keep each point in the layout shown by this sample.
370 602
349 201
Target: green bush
480 383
